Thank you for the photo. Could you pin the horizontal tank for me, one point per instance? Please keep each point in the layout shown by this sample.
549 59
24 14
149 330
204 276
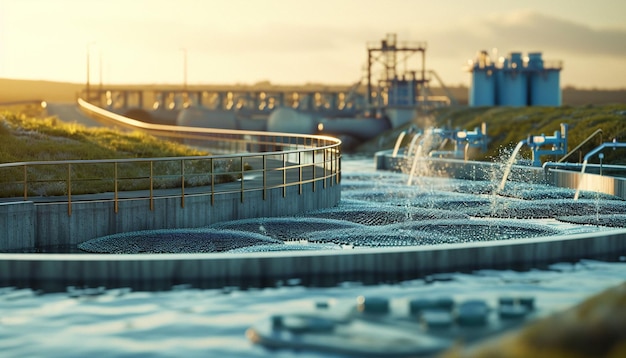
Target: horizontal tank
288 120
360 128
206 118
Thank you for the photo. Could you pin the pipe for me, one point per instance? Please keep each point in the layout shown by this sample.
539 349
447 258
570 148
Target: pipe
614 144
598 131
547 166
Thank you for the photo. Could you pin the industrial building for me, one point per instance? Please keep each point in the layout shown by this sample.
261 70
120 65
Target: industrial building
514 81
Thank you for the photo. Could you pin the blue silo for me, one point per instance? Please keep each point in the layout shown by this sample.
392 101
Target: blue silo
535 61
483 86
512 82
483 89
544 81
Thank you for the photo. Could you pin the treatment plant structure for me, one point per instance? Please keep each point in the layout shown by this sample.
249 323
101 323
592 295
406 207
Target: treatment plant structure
391 92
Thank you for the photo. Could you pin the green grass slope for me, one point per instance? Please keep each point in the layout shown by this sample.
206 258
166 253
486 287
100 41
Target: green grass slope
26 136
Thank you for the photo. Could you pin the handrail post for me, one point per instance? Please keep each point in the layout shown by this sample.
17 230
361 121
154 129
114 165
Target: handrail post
300 172
151 186
115 190
69 189
25 183
212 181
264 176
313 166
338 165
332 167
241 169
284 176
325 163
182 183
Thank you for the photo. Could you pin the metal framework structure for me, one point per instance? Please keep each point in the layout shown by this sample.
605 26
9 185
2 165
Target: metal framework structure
389 54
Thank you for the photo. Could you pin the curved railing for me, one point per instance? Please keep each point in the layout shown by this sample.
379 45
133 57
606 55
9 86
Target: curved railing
256 161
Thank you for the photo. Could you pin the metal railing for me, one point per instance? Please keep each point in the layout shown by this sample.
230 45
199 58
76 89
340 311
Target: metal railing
258 161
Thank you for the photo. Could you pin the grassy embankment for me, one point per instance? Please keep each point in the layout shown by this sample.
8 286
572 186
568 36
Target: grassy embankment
506 126
25 135
594 328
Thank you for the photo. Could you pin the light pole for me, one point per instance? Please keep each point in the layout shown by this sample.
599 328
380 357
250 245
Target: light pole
88 89
185 94
100 68
184 68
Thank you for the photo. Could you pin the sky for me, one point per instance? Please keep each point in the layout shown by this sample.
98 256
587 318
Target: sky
297 41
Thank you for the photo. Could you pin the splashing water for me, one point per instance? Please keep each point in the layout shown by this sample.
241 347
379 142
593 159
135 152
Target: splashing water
416 157
509 165
580 179
412 144
398 142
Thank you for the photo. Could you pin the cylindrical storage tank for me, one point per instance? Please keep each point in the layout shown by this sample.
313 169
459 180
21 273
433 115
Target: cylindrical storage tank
288 120
206 118
360 128
535 61
545 87
251 124
512 88
516 61
483 88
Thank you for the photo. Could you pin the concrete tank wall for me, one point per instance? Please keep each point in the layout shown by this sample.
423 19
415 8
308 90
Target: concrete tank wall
17 225
27 225
155 272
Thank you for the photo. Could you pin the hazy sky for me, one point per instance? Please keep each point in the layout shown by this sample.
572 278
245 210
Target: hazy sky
297 41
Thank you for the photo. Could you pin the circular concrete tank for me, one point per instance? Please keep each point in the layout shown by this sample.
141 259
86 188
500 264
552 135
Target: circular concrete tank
287 120
360 128
206 118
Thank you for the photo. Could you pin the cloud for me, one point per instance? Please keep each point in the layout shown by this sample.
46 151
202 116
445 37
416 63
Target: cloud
527 30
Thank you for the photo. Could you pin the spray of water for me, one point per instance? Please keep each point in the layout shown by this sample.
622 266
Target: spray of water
581 179
509 165
416 157
396 148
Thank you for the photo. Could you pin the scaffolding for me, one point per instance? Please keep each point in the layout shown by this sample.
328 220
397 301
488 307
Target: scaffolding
385 84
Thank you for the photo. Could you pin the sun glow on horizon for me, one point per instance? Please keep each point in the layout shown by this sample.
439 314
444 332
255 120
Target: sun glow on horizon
289 42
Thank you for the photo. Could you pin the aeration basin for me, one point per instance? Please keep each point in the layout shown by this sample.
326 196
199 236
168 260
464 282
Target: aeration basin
383 229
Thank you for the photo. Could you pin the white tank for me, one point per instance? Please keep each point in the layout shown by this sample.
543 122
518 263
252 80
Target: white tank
206 118
288 120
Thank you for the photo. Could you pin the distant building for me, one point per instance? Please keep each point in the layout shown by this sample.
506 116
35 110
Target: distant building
514 81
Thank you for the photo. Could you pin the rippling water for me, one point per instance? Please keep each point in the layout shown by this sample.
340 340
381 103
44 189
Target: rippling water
191 322
186 322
